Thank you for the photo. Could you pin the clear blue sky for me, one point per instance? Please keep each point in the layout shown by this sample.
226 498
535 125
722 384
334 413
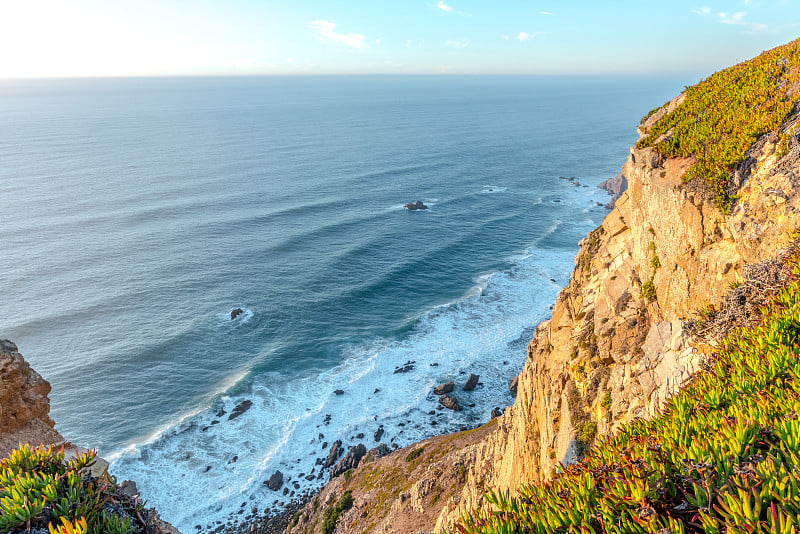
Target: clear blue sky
44 38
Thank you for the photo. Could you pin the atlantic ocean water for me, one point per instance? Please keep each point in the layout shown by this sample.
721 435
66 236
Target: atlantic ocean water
138 213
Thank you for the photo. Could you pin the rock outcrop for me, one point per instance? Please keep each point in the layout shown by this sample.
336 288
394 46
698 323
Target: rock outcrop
616 346
24 405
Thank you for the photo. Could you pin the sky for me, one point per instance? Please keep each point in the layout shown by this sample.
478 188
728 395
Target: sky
76 38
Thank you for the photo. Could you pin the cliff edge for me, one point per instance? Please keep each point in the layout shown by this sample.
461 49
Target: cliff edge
623 335
24 406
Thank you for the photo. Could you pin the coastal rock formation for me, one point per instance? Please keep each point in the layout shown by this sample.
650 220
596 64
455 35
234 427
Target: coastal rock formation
472 381
24 418
450 402
617 345
615 187
418 205
612 351
24 406
441 389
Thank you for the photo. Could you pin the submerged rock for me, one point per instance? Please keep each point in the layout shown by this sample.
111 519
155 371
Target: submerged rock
240 409
236 313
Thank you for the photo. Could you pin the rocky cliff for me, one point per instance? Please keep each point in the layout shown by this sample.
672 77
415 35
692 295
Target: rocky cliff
617 344
623 335
24 406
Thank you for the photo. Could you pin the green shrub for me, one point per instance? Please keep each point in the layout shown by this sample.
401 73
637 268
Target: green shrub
722 457
725 114
40 489
413 455
331 515
649 290
606 401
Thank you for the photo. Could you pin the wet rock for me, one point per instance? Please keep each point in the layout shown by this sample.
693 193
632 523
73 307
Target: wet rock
234 459
333 454
472 381
450 402
406 367
338 392
350 460
360 435
275 481
496 412
418 205
240 409
441 389
236 313
378 434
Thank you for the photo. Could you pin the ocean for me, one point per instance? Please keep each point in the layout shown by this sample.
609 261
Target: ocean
138 213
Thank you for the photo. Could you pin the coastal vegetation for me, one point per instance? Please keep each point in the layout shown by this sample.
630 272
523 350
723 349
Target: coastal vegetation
723 456
40 488
725 114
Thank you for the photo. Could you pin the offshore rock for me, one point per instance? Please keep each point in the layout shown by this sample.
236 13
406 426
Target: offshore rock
275 481
418 205
450 402
472 381
441 389
240 408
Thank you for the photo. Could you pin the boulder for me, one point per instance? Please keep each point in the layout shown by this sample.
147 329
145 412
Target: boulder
338 392
418 205
496 412
450 402
236 313
333 454
378 434
350 460
472 381
275 482
441 389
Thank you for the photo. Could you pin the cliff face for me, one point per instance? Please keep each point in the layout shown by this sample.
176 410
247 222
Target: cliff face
617 345
24 406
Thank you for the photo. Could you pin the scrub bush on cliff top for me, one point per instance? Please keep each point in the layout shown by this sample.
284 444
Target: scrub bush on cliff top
725 114
723 456
42 491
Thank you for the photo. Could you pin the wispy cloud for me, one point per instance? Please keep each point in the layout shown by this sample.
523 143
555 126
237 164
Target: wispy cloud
734 19
324 30
545 13
444 7
463 43
447 8
525 36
